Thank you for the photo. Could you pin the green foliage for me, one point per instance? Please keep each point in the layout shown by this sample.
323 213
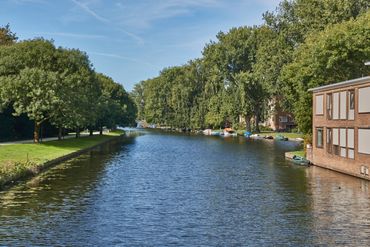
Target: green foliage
249 72
7 37
335 54
58 85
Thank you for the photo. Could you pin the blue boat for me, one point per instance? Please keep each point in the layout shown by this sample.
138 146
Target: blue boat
247 134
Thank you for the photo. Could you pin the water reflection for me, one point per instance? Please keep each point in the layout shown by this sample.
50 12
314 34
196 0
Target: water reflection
171 189
340 208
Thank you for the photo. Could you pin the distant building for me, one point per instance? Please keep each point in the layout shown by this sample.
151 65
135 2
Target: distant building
279 120
341 127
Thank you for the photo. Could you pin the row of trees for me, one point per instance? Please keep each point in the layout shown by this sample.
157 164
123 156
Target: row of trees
250 71
59 86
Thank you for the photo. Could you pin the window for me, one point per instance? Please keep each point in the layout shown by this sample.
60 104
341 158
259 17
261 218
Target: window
351 143
336 106
283 119
329 142
351 108
336 141
329 106
343 142
343 105
319 104
319 137
364 100
364 141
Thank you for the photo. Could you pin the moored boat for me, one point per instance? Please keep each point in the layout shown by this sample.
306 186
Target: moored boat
230 132
207 132
247 134
256 136
300 160
281 138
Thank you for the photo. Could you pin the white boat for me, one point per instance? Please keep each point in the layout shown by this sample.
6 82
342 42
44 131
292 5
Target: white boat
256 136
230 133
207 132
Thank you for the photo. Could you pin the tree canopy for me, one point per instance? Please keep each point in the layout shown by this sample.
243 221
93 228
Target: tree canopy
249 72
60 86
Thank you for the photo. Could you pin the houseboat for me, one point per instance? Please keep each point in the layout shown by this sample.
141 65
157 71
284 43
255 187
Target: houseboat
341 127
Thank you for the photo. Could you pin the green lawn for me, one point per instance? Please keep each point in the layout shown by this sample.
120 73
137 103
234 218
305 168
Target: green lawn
300 153
286 134
18 158
270 133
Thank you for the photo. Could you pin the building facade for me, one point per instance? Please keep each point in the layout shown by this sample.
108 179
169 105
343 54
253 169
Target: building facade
278 119
341 127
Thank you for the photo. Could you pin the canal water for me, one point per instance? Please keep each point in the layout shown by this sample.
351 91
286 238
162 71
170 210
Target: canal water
160 189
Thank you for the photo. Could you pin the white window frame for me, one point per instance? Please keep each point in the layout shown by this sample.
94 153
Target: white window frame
364 100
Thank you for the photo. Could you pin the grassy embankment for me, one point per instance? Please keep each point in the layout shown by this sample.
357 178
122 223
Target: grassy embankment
300 153
290 135
18 160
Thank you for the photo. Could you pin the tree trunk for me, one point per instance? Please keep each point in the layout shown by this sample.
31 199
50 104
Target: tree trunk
101 130
36 133
91 132
77 132
60 133
248 123
257 121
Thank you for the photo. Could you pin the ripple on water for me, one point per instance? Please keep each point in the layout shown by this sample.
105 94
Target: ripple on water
164 189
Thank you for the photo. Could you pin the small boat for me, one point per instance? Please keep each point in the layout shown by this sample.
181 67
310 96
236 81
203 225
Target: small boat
230 132
269 137
300 160
247 134
207 132
256 136
298 139
215 133
281 138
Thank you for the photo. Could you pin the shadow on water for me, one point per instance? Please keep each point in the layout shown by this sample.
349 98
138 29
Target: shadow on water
162 189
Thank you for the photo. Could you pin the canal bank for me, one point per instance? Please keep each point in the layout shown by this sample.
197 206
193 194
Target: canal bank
22 161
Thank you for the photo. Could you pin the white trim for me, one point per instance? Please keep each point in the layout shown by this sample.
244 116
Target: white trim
341 84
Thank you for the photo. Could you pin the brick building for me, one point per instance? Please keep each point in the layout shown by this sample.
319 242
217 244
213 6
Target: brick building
341 127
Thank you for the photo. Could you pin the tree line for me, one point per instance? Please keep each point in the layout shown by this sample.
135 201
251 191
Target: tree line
58 86
251 71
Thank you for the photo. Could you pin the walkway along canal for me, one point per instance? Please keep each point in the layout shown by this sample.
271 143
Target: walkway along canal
161 189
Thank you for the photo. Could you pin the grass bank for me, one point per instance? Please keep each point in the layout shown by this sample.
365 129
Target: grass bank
20 160
299 153
290 135
286 134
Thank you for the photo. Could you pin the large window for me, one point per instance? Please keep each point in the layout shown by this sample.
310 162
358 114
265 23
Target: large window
343 142
319 137
364 100
364 141
319 104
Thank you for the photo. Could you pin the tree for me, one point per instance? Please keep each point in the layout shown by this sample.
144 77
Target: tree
7 37
335 54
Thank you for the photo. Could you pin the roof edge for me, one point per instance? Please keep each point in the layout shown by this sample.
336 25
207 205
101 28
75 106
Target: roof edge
341 84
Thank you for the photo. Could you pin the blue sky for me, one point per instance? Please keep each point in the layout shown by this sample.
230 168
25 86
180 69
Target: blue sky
131 40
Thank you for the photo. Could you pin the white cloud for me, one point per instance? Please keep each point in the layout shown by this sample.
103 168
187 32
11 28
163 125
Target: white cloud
85 7
103 54
72 35
143 14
